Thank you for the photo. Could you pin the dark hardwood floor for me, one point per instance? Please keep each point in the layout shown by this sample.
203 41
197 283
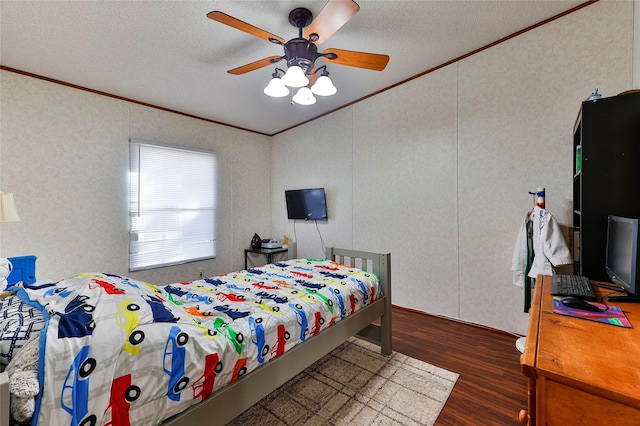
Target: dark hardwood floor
491 390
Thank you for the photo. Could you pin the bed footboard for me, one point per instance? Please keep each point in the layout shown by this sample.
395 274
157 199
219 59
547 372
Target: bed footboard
379 264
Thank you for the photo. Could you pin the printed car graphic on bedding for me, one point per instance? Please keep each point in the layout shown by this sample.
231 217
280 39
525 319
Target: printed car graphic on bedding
76 321
258 337
234 337
108 287
239 369
328 302
123 393
173 362
160 312
233 313
203 387
74 398
302 320
279 347
61 292
267 308
318 323
231 297
127 318
272 296
343 310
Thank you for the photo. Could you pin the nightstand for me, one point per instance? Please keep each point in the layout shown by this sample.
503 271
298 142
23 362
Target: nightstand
268 253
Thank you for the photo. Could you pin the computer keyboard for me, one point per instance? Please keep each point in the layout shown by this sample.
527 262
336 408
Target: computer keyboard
572 285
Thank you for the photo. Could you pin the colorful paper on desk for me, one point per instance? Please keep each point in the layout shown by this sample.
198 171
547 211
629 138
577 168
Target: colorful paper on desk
613 315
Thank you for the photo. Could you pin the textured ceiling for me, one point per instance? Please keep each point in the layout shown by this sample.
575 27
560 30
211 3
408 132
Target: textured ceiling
169 54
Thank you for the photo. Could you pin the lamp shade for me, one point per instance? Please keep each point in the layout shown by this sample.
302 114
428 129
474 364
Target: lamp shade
276 88
294 77
304 97
324 87
8 210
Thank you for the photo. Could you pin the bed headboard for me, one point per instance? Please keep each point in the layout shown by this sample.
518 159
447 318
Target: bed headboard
24 270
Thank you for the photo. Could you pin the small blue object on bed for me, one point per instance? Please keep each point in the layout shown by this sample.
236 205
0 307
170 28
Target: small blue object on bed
23 270
122 351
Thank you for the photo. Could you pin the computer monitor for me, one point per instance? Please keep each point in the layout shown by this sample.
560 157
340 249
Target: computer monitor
622 256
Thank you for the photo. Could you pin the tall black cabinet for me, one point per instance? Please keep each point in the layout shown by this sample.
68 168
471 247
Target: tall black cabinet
606 142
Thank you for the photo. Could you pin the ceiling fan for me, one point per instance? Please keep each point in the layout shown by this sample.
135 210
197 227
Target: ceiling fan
302 51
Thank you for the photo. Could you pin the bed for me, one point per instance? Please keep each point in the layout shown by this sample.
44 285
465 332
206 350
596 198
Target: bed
236 373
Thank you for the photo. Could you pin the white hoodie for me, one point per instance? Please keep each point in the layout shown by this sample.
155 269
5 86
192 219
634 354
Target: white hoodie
549 247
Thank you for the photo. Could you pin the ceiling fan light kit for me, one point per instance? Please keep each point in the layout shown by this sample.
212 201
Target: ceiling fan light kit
276 88
304 97
300 54
295 77
324 86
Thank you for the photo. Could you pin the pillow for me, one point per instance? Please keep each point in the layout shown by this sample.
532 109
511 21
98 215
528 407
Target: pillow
18 321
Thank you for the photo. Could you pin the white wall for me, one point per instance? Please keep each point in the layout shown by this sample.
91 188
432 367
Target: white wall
64 154
437 171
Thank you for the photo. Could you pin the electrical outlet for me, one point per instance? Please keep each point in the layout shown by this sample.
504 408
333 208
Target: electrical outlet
201 272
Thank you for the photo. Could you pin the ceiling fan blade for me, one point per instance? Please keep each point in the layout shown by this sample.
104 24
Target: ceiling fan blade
350 58
333 15
313 77
243 26
255 65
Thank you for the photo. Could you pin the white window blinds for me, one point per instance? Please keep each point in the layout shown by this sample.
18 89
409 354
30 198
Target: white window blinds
172 205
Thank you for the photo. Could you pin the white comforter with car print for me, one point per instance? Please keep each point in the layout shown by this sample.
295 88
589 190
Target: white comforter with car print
118 351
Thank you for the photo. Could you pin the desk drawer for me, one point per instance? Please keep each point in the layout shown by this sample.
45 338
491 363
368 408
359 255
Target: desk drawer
562 405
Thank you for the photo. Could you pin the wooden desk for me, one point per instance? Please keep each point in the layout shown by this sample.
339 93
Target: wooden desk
580 372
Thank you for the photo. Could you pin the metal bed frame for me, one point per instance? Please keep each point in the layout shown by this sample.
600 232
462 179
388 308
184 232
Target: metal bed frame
229 402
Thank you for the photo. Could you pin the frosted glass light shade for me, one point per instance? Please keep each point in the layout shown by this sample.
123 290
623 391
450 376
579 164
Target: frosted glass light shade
8 210
304 97
276 88
324 87
294 77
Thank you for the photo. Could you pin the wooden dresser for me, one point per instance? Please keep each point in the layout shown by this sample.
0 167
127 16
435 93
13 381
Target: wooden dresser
580 372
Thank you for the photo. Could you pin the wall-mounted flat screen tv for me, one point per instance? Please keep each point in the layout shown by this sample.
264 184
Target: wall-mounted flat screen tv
307 204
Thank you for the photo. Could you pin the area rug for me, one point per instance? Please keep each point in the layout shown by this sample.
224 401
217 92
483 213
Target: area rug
356 385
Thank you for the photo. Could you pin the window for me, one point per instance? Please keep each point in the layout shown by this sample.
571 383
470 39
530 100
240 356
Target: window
172 205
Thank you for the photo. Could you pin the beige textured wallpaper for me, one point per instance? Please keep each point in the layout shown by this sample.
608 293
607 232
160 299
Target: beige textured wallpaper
64 153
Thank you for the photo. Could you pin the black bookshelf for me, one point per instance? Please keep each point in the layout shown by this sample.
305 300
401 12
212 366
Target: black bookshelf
606 170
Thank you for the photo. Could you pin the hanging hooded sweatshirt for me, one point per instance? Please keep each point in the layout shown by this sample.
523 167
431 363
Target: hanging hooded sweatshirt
549 247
